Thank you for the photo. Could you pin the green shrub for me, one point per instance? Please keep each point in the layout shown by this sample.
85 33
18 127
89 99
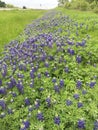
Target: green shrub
67 5
81 5
84 5
96 9
93 5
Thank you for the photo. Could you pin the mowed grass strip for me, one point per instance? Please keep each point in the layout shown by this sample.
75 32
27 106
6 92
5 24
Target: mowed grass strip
13 22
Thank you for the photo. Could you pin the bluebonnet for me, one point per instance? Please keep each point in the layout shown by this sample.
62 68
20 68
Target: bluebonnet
78 59
13 81
37 104
46 64
14 94
57 120
92 84
26 123
79 104
10 111
39 75
40 116
20 87
48 101
81 124
84 92
0 82
61 82
56 88
79 84
2 90
68 102
23 127
96 125
30 108
2 104
27 101
54 80
66 69
76 96
32 74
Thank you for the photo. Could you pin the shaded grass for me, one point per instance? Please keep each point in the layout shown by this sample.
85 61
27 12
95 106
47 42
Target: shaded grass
13 22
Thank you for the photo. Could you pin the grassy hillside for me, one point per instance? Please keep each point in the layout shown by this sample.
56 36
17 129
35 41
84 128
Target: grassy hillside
13 22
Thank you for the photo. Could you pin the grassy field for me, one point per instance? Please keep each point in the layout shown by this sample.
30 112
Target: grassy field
88 18
13 22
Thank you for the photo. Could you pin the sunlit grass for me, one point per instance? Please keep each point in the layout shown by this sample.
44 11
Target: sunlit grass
13 22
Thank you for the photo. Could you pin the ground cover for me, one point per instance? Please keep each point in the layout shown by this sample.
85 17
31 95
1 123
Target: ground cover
49 75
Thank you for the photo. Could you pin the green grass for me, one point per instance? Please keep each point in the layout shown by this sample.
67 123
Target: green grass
81 17
13 22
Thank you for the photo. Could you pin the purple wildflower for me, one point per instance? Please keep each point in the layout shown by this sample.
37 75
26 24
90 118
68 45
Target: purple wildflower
30 108
10 111
48 101
68 102
20 87
56 88
37 104
78 59
76 96
78 84
80 104
41 89
23 127
32 74
81 124
61 82
27 101
66 69
13 81
0 82
54 80
84 92
92 84
96 125
2 104
57 120
26 123
40 116
46 64
2 90
39 75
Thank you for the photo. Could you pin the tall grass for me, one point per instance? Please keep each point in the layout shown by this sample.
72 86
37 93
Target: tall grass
13 22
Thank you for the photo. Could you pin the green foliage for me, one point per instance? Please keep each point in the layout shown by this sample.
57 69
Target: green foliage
81 5
2 4
13 22
67 5
96 10
10 6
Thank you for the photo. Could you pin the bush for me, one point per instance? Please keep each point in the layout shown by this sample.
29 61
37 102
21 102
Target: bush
81 5
24 7
10 6
96 9
67 5
84 5
93 5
